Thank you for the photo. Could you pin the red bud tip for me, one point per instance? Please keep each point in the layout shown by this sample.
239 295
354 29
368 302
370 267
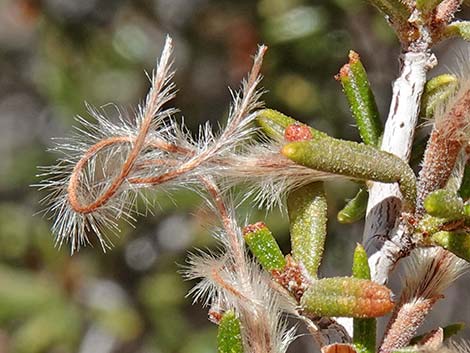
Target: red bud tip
343 72
215 316
297 132
251 228
353 57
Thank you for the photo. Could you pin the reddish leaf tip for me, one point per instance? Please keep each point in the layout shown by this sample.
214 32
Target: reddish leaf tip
297 132
251 228
353 57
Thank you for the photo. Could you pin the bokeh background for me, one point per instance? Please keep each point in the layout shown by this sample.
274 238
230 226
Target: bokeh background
57 54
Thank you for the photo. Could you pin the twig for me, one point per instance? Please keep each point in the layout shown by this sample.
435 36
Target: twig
385 200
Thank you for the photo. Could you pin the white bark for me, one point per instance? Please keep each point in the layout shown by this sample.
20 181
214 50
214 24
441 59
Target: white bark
385 239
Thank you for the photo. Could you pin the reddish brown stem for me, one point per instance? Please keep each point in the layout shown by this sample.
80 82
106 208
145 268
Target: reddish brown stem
126 168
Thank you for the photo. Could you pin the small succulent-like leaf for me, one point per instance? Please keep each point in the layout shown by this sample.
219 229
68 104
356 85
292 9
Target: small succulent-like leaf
274 124
353 78
437 90
229 337
458 29
396 10
264 247
364 330
360 268
464 190
354 160
307 209
348 297
456 242
449 331
426 6
430 225
443 203
355 209
453 329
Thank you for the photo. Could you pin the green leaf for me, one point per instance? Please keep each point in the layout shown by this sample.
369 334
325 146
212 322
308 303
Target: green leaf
354 160
360 267
355 209
426 6
444 204
353 78
458 29
449 331
456 242
347 297
229 337
464 190
274 124
453 329
364 330
430 225
437 90
307 209
264 247
395 9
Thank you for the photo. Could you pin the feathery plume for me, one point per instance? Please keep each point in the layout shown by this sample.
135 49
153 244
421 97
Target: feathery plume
428 273
451 132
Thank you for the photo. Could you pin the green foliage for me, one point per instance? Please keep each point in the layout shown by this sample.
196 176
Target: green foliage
464 190
456 242
229 337
307 209
353 78
360 268
395 9
449 331
444 204
42 303
264 247
437 90
426 6
355 209
275 123
347 296
364 330
458 29
354 160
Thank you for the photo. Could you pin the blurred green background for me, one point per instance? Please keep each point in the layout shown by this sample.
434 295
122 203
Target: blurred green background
57 54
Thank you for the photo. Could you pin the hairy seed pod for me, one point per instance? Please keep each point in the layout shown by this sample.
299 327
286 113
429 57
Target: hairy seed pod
229 338
348 297
354 160
307 209
264 247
